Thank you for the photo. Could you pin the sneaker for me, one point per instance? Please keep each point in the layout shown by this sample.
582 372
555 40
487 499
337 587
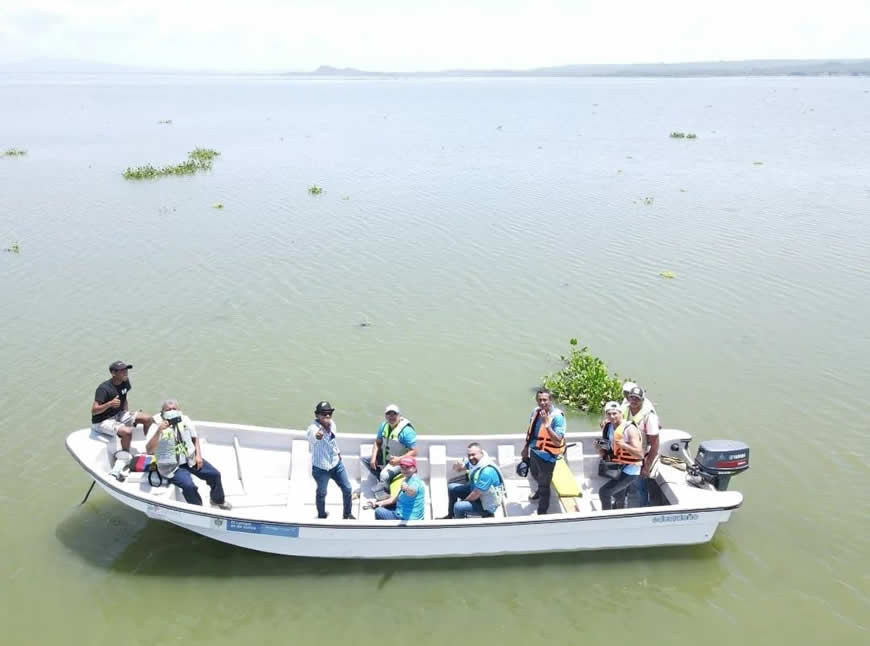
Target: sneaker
322 516
534 496
222 505
350 517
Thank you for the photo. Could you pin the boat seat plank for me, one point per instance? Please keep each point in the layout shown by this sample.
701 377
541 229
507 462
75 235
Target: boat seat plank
438 480
506 456
300 476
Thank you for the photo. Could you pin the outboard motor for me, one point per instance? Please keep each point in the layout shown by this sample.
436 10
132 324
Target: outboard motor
717 461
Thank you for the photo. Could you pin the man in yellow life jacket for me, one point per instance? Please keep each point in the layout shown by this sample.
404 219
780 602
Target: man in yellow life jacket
639 410
396 439
545 442
625 447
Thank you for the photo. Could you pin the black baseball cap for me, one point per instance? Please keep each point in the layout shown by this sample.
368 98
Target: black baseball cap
119 365
323 407
637 391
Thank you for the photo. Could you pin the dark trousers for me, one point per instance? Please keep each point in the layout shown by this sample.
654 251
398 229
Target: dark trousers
617 489
542 472
183 480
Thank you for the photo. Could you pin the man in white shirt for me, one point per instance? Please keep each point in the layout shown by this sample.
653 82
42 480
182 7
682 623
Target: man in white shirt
326 463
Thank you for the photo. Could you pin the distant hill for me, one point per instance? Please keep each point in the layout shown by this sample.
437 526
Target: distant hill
850 67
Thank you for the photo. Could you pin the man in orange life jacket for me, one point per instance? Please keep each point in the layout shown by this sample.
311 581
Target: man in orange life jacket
545 442
625 448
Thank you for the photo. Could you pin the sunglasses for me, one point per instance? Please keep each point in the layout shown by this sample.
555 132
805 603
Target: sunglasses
324 414
391 414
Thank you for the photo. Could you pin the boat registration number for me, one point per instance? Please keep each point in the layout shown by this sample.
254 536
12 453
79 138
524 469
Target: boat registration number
674 518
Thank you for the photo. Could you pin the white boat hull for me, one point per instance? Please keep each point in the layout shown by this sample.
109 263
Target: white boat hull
288 526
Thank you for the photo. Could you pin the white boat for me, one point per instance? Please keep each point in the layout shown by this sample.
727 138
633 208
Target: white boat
267 478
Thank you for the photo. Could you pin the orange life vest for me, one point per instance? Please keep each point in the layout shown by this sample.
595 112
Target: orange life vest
547 441
620 455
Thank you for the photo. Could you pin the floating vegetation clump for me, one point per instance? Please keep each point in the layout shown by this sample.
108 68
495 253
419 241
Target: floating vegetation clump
691 135
314 189
165 121
667 274
14 152
647 201
678 135
217 205
197 159
758 163
13 248
584 381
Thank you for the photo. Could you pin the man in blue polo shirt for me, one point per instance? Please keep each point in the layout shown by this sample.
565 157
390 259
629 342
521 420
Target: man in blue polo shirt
410 502
396 439
482 492
545 442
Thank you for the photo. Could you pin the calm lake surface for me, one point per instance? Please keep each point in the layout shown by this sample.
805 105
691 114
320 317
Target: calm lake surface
476 226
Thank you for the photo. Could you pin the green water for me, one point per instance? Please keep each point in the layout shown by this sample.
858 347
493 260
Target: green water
474 252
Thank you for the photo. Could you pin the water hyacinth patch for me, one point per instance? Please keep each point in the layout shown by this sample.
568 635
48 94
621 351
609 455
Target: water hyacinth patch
13 248
14 152
314 189
198 159
584 381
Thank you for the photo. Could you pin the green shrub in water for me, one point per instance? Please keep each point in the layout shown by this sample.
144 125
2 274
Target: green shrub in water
197 159
583 382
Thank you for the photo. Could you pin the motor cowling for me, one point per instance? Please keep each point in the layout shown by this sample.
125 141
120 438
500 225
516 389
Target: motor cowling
718 460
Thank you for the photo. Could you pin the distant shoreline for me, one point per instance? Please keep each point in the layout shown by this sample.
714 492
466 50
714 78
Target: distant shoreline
792 68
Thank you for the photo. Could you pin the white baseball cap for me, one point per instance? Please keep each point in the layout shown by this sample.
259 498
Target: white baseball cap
628 385
392 408
609 406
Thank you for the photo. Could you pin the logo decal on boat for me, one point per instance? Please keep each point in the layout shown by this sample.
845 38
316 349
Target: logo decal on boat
674 518
289 531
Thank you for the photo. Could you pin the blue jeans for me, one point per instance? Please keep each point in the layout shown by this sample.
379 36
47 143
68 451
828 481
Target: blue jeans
322 478
641 488
617 489
455 491
183 480
464 507
382 513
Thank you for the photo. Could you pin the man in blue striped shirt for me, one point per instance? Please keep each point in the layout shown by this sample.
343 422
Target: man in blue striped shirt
326 461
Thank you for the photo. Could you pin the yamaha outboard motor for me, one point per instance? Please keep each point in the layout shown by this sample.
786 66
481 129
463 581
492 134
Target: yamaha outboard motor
717 461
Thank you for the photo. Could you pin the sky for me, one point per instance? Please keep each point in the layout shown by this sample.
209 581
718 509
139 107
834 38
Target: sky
426 35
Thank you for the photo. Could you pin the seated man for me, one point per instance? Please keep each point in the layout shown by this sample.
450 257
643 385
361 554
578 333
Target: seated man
625 447
109 412
174 441
410 502
396 438
483 490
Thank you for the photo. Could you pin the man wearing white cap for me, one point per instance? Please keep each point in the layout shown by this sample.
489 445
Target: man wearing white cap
396 439
640 411
624 447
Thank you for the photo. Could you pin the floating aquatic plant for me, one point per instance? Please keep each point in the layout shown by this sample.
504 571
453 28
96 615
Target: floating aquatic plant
197 159
584 381
217 205
14 152
667 274
13 248
758 163
314 189
647 201
165 121
691 135
678 135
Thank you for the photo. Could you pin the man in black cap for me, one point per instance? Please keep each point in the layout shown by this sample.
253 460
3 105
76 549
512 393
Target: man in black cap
326 461
109 413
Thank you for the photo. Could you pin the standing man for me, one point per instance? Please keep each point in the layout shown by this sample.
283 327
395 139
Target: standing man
109 412
410 502
482 493
640 411
326 461
545 442
396 439
175 442
625 447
